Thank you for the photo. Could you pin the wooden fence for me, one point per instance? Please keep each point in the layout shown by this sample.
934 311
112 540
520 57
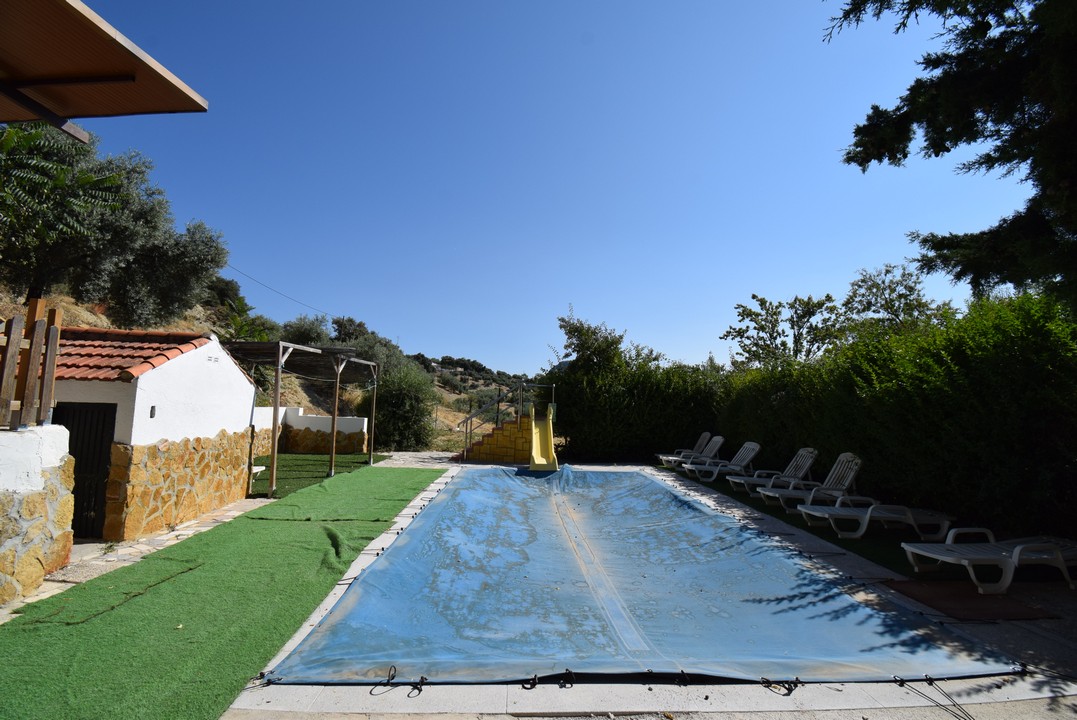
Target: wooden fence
28 349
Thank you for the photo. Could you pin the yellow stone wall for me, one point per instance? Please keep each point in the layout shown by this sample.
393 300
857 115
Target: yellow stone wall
316 442
261 443
153 488
508 444
35 532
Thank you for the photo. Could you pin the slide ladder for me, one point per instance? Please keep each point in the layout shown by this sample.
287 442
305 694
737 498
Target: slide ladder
542 453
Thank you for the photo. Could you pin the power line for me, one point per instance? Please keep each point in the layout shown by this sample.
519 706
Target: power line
267 287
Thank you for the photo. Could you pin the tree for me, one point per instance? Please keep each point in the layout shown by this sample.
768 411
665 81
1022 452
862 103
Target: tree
890 299
347 329
50 185
424 362
779 332
590 347
161 276
623 401
222 293
1004 81
98 227
241 324
136 263
306 330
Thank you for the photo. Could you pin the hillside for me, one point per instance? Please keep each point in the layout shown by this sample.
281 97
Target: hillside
456 379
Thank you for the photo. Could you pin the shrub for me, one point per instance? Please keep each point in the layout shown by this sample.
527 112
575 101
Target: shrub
618 403
405 406
975 416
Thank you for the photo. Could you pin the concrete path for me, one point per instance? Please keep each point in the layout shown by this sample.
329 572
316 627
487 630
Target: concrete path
438 460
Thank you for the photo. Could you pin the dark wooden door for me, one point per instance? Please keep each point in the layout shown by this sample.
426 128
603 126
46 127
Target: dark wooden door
92 427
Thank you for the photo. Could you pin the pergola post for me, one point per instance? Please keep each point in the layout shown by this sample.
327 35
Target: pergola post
282 357
373 406
338 364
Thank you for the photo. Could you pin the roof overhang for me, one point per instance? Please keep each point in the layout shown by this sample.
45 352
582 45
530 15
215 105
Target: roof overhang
59 60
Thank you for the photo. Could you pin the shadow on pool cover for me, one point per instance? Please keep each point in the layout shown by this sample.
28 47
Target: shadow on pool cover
512 577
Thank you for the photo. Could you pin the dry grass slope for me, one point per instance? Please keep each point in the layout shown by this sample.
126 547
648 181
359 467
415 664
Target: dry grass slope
313 397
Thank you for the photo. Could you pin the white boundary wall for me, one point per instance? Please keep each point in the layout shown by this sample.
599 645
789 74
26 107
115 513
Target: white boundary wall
295 417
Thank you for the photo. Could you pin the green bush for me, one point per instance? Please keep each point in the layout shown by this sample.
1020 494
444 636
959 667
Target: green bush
975 416
617 403
405 406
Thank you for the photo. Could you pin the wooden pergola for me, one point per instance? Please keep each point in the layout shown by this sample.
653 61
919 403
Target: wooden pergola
336 364
59 60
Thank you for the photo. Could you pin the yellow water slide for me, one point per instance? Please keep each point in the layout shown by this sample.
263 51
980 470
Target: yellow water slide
542 453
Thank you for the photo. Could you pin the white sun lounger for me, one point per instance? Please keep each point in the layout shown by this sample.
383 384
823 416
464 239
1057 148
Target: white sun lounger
701 443
710 469
708 452
853 514
794 472
1007 556
837 483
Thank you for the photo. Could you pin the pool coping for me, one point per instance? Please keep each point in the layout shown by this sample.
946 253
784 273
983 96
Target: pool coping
1016 696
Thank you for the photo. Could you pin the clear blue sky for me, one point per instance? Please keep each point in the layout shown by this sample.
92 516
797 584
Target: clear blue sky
459 174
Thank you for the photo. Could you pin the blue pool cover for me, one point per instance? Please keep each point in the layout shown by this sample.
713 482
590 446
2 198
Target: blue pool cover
506 576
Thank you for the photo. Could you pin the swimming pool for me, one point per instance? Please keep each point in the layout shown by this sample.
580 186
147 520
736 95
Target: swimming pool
508 576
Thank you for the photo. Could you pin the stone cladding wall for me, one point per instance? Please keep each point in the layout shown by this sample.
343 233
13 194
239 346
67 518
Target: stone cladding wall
35 532
316 442
508 444
261 443
153 488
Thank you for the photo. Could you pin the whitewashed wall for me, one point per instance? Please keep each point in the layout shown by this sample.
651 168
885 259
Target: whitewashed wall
197 394
299 421
25 454
120 394
262 417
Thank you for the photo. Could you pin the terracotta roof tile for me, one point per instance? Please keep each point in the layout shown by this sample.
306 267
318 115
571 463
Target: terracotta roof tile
119 355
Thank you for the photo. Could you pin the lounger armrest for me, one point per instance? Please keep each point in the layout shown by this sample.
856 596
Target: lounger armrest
822 492
804 485
1049 547
766 473
856 501
955 533
777 482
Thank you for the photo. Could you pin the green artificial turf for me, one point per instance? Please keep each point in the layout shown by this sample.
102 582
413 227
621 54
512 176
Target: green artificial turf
376 497
178 634
295 472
